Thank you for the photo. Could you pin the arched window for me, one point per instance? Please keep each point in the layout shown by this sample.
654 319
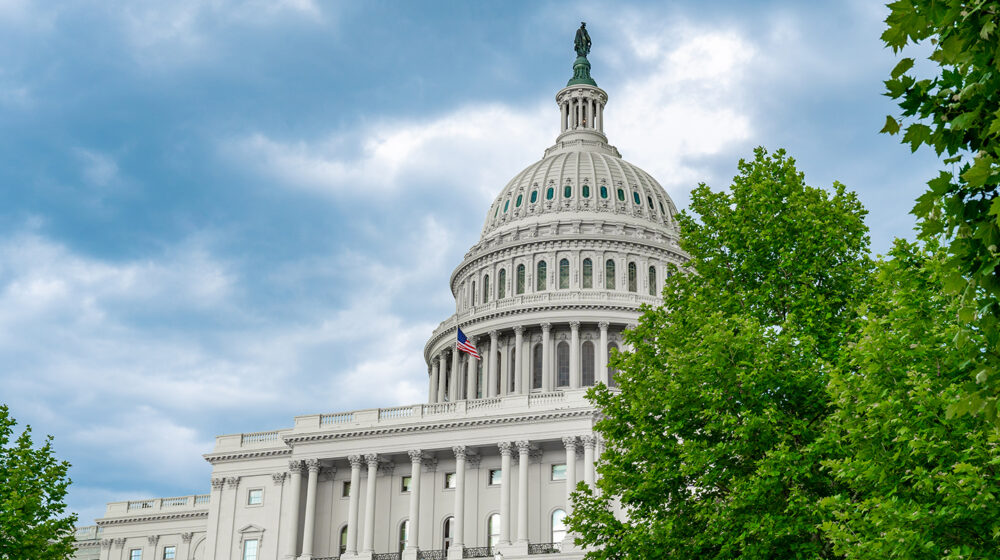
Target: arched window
612 382
343 540
587 362
564 274
510 371
404 534
568 191
473 299
562 364
493 530
635 197
517 203
621 195
502 284
486 288
649 199
588 273
520 279
558 525
536 367
498 386
604 192
534 196
586 191
632 277
540 277
609 274
652 280
550 193
447 532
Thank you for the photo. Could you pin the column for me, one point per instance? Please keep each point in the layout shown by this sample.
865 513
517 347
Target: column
310 521
455 374
518 343
458 541
432 398
291 550
372 461
491 377
602 354
523 451
570 443
352 508
600 116
575 373
579 113
470 377
505 449
503 367
416 459
546 356
442 376
589 442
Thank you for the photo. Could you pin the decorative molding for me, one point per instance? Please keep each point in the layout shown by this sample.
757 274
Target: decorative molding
119 542
106 543
186 537
505 448
460 451
472 460
569 442
588 441
386 468
108 521
279 478
416 456
296 466
217 483
313 466
233 482
371 460
431 464
153 539
356 461
327 473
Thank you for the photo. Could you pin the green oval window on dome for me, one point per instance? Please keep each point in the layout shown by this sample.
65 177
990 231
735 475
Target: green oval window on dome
497 212
534 196
604 192
567 191
550 193
586 191
649 199
635 197
621 195
506 205
517 204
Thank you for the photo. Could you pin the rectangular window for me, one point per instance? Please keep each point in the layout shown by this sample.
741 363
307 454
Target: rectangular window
404 485
450 481
255 497
558 472
250 549
496 477
135 554
169 552
345 490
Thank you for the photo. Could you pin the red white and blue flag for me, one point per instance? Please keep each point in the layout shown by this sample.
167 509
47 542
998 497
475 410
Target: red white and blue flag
465 346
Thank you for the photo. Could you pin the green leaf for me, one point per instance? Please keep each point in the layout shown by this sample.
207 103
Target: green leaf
916 134
891 126
965 120
979 172
901 67
987 28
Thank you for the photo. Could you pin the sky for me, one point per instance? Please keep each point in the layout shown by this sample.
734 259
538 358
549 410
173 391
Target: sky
217 215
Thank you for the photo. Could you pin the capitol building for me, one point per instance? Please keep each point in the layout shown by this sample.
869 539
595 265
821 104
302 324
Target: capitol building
570 249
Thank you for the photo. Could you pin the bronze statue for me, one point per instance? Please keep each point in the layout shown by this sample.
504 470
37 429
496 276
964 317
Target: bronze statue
582 41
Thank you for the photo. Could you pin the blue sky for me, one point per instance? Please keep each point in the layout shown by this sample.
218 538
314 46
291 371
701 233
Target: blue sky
215 215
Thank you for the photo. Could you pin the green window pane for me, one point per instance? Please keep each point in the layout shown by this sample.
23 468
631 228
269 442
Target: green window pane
497 212
517 204
505 206
632 278
604 192
550 193
564 274
652 280
567 191
586 191
588 273
540 277
635 197
609 274
534 196
486 289
520 279
621 195
502 284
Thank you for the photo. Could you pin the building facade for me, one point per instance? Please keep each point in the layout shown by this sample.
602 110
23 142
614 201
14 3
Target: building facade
570 250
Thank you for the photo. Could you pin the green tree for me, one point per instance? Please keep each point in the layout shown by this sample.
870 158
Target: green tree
710 442
913 484
33 483
957 113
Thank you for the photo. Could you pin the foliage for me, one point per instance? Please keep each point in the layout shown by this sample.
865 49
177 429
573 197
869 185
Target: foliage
709 443
957 113
913 484
33 486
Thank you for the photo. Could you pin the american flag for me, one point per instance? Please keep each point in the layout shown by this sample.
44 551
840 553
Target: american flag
465 346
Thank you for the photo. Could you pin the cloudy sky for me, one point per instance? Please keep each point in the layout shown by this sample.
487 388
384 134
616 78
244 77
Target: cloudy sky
215 215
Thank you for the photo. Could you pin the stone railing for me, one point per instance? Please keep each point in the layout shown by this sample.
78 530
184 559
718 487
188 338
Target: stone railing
440 554
395 412
584 297
477 552
544 548
260 437
157 505
339 418
387 556
87 533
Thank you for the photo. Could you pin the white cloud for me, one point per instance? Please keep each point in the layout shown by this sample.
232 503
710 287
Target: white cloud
98 169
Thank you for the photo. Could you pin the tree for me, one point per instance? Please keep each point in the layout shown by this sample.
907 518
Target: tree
33 484
913 484
710 442
957 113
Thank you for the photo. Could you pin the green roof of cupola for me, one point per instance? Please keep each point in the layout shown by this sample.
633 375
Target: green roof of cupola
581 68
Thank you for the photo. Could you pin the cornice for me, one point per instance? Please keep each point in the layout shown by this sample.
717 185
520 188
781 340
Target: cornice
214 458
108 521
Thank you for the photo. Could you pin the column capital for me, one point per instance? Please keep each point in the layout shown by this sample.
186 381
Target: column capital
153 539
505 448
494 335
372 460
233 482
519 329
416 456
589 441
575 325
569 442
603 325
312 465
279 478
186 537
296 466
355 460
523 447
460 452
546 327
218 483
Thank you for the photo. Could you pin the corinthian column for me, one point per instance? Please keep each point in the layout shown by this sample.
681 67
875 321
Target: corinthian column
432 397
589 443
352 508
518 342
491 381
570 443
442 371
458 540
416 459
292 545
523 450
602 354
455 374
372 461
574 355
470 379
307 531
505 449
546 356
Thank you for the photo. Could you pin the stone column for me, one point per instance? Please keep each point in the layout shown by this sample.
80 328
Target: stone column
492 373
546 356
602 354
416 460
589 442
523 450
505 449
432 398
455 374
352 508
458 540
292 544
470 377
575 373
442 373
518 343
570 443
600 116
372 461
310 520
